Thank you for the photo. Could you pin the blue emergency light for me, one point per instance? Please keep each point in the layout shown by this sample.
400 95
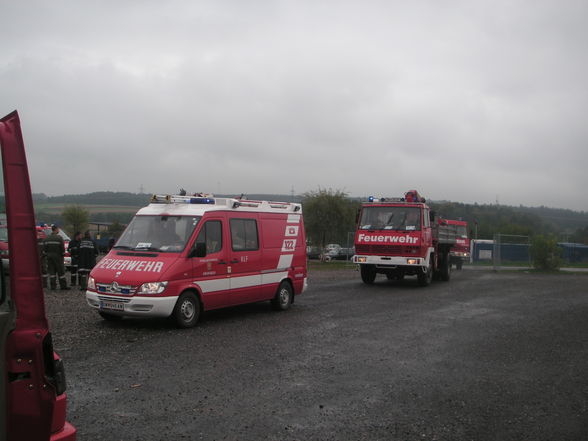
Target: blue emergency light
201 201
371 199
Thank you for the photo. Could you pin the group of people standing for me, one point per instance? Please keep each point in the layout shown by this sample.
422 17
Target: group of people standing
83 251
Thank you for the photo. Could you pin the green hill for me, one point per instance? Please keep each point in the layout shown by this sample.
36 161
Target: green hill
487 219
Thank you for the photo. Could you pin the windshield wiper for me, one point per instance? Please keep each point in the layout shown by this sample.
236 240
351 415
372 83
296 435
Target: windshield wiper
123 247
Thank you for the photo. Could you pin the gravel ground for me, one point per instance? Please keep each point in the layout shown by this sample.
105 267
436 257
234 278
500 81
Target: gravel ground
487 356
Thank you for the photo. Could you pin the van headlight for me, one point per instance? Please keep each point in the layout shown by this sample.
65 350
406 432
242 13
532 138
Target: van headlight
152 288
91 283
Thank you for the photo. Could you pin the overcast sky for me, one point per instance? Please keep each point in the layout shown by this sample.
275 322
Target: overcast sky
468 101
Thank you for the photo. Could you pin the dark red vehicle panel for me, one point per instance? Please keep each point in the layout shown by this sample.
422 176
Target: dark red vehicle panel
33 383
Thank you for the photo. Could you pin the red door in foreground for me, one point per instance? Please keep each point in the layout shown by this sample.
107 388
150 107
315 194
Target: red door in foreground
32 385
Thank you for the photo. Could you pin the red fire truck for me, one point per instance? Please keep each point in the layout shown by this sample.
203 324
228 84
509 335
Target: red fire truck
181 255
402 237
32 384
460 253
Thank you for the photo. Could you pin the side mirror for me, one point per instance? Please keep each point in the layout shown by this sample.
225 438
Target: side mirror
432 215
199 250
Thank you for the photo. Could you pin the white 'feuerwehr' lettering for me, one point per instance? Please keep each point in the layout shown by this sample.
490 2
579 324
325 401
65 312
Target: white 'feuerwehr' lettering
388 239
131 265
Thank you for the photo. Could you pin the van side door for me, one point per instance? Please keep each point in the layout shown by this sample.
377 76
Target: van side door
245 258
210 272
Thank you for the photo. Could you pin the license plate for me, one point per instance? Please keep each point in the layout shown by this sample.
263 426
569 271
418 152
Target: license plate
113 306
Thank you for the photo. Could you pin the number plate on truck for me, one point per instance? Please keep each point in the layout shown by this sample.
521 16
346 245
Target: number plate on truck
113 306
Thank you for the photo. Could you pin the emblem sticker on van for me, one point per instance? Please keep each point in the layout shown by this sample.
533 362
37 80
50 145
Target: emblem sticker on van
288 245
291 231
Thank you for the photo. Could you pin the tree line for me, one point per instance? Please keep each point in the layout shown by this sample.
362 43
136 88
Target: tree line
331 214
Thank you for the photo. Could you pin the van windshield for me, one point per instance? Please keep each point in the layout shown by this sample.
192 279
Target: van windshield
390 218
166 234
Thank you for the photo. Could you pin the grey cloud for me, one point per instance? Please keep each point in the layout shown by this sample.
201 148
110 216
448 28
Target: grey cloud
462 100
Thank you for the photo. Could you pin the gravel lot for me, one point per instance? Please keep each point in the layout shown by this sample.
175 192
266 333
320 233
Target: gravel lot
486 356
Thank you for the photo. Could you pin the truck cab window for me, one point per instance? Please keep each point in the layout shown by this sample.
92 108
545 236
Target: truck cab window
391 218
211 235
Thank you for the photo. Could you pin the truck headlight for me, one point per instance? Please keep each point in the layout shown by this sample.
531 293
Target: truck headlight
152 288
91 283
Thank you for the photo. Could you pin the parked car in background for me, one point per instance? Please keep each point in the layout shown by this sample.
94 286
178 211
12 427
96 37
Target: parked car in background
313 252
330 252
345 253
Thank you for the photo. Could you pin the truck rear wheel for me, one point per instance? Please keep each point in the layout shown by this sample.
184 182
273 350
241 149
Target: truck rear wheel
187 310
283 298
368 274
425 277
445 270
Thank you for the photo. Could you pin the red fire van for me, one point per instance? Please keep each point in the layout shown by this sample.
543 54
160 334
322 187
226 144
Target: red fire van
182 255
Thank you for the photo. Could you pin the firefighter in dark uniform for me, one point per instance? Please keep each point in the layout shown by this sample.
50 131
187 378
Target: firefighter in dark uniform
54 250
42 258
86 258
74 249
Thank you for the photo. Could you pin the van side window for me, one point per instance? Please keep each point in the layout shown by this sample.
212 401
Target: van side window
244 234
212 235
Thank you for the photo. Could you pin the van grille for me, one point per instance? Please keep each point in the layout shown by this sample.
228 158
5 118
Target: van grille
115 288
113 299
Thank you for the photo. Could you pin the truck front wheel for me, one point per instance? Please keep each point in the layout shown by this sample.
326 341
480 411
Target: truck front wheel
426 276
368 274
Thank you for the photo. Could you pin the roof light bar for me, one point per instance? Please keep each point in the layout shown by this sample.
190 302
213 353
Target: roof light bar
176 199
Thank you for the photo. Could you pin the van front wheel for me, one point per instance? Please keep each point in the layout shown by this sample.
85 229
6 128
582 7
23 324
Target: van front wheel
283 298
187 310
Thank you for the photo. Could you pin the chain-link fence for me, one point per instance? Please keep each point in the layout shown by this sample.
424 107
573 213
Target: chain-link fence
511 250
